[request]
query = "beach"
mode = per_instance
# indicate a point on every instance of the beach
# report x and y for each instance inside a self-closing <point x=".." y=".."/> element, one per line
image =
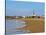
<point x="34" y="24"/>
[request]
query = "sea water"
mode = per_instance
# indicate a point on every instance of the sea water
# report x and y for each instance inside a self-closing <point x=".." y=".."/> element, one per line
<point x="11" y="26"/>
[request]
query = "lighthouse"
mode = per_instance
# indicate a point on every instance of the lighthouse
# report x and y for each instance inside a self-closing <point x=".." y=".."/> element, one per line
<point x="34" y="15"/>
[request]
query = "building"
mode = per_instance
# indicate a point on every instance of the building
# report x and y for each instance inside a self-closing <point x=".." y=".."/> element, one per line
<point x="23" y="16"/>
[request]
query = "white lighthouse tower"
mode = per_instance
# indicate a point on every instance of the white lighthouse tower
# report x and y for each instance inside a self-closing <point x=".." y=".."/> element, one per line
<point x="34" y="14"/>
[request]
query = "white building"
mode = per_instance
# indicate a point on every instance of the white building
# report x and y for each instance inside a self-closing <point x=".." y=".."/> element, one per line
<point x="16" y="16"/>
<point x="23" y="16"/>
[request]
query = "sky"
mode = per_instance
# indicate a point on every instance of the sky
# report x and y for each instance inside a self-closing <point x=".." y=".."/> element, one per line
<point x="23" y="8"/>
<point x="29" y="0"/>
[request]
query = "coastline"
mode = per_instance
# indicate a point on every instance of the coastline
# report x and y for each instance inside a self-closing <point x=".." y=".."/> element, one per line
<point x="34" y="25"/>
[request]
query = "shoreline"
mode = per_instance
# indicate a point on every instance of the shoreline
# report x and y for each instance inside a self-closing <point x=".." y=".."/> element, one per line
<point x="33" y="24"/>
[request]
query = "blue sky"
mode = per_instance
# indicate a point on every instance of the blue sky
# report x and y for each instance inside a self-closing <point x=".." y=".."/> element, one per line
<point x="21" y="8"/>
